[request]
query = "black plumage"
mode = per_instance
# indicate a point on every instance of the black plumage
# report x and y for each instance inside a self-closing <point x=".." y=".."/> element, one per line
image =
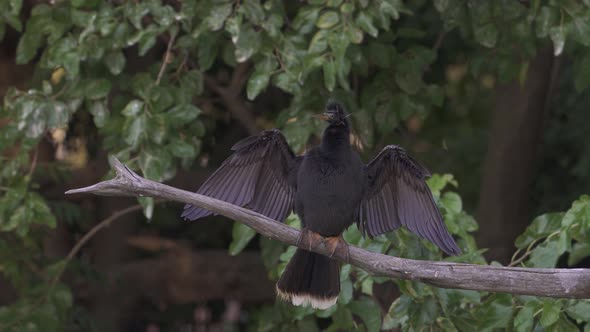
<point x="329" y="188"/>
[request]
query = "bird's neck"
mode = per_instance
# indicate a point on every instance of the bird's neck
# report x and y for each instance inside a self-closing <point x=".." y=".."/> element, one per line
<point x="335" y="139"/>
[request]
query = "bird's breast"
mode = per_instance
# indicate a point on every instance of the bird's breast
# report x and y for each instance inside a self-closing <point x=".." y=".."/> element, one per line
<point x="328" y="193"/>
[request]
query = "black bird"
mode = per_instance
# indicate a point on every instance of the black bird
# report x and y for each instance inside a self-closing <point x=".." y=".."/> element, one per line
<point x="329" y="188"/>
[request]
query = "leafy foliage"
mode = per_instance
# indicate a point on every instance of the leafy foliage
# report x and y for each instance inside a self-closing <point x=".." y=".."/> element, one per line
<point x="376" y="56"/>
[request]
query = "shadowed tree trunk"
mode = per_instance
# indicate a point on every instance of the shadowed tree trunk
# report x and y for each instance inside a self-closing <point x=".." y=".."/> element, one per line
<point x="515" y="137"/>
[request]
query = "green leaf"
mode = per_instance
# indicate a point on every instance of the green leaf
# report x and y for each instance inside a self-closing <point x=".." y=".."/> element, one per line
<point x="156" y="164"/>
<point x="148" y="206"/>
<point x="347" y="8"/>
<point x="192" y="81"/>
<point x="367" y="286"/>
<point x="62" y="297"/>
<point x="539" y="228"/>
<point x="580" y="311"/>
<point x="98" y="88"/>
<point x="257" y="82"/>
<point x="182" y="149"/>
<point x="550" y="313"/>
<point x="409" y="79"/>
<point x="136" y="131"/>
<point x="369" y="312"/>
<point x="286" y="82"/>
<point x="328" y="20"/>
<point x="57" y="114"/>
<point x="546" y="19"/>
<point x="452" y="202"/>
<point x="305" y="19"/>
<point x="27" y="47"/>
<point x="579" y="29"/>
<point x="241" y="236"/>
<point x="158" y="128"/>
<point x="319" y="42"/>
<point x="247" y="44"/>
<point x="71" y="63"/>
<point x="346" y="291"/>
<point x="329" y="75"/>
<point x="147" y="41"/>
<point x="254" y="11"/>
<point x="495" y="313"/>
<point x="99" y="112"/>
<point x="133" y="108"/>
<point x="18" y="217"/>
<point x="311" y="62"/>
<point x="397" y="313"/>
<point x="380" y="54"/>
<point x="217" y="16"/>
<point x="578" y="213"/>
<point x="270" y="251"/>
<point x="545" y="255"/>
<point x="115" y="61"/>
<point x="365" y="22"/>
<point x="578" y="252"/>
<point x="523" y="321"/>
<point x="182" y="114"/>
<point x="438" y="182"/>
<point x="558" y="36"/>
<point x="425" y="313"/>
<point x="339" y="44"/>
<point x="208" y="50"/>
<point x="484" y="28"/>
<point x="486" y="34"/>
<point x="355" y="35"/>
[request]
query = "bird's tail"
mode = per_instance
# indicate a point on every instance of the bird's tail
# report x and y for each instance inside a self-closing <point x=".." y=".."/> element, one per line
<point x="310" y="279"/>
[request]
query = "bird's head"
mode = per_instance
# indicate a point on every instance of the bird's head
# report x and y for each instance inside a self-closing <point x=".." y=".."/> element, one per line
<point x="335" y="114"/>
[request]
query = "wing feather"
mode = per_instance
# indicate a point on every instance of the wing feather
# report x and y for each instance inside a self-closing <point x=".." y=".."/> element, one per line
<point x="398" y="195"/>
<point x="257" y="175"/>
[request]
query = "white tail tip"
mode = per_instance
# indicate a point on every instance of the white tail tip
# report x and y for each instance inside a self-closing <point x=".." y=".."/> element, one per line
<point x="315" y="302"/>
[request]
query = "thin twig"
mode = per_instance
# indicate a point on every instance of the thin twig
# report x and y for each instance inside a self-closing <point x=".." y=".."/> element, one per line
<point x="166" y="59"/>
<point x="230" y="96"/>
<point x="103" y="224"/>
<point x="33" y="163"/>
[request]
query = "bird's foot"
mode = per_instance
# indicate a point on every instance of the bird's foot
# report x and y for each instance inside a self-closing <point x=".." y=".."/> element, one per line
<point x="309" y="237"/>
<point x="337" y="244"/>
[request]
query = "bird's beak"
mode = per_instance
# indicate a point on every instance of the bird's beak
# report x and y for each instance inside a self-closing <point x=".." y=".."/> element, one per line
<point x="323" y="116"/>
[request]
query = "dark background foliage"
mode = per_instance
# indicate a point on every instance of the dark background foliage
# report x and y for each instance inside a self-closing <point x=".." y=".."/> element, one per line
<point x="493" y="92"/>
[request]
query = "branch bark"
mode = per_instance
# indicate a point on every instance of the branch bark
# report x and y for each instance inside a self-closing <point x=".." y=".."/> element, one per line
<point x="560" y="283"/>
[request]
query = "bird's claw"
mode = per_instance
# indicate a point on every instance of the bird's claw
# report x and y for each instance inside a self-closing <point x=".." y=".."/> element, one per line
<point x="309" y="237"/>
<point x="334" y="243"/>
<point x="337" y="243"/>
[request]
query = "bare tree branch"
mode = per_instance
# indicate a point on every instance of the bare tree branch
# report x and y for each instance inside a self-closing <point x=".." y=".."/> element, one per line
<point x="561" y="283"/>
<point x="230" y="96"/>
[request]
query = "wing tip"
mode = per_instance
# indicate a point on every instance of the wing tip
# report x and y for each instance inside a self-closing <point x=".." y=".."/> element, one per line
<point x="192" y="213"/>
<point x="450" y="247"/>
<point x="455" y="251"/>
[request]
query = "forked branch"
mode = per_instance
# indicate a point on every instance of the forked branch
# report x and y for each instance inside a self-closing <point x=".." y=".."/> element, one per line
<point x="560" y="283"/>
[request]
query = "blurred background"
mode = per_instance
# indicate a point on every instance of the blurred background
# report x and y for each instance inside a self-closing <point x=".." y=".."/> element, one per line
<point x="489" y="95"/>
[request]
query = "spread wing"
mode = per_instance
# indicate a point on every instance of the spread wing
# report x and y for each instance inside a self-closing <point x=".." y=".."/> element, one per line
<point x="398" y="195"/>
<point x="260" y="175"/>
